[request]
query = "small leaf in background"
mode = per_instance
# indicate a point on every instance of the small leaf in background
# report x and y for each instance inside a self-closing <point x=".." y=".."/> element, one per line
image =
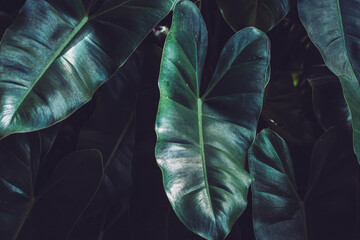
<point x="328" y="209"/>
<point x="328" y="100"/>
<point x="202" y="140"/>
<point x="57" y="53"/>
<point x="336" y="36"/>
<point x="263" y="15"/>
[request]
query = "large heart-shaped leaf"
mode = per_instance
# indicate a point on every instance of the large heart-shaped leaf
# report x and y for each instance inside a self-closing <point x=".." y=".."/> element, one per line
<point x="203" y="139"/>
<point x="52" y="213"/>
<point x="111" y="130"/>
<point x="256" y="13"/>
<point x="327" y="210"/>
<point x="333" y="26"/>
<point x="57" y="53"/>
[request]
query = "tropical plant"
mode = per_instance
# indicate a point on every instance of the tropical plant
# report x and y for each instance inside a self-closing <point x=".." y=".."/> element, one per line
<point x="178" y="119"/>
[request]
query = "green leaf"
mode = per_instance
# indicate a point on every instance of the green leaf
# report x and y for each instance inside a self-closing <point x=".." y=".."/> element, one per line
<point x="329" y="104"/>
<point x="57" y="53"/>
<point x="277" y="212"/>
<point x="336" y="36"/>
<point x="203" y="139"/>
<point x="52" y="213"/>
<point x="328" y="209"/>
<point x="256" y="13"/>
<point x="111" y="129"/>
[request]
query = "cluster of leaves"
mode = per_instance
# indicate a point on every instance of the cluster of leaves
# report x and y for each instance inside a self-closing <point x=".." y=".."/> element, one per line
<point x="83" y="84"/>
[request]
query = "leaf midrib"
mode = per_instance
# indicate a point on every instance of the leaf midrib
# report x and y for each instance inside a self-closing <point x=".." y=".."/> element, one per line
<point x="200" y="126"/>
<point x="51" y="61"/>
<point x="120" y="139"/>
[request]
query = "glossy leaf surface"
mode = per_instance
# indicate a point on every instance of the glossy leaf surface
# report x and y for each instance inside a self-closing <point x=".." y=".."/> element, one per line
<point x="276" y="205"/>
<point x="57" y="53"/>
<point x="24" y="214"/>
<point x="333" y="26"/>
<point x="256" y="13"/>
<point x="328" y="209"/>
<point x="203" y="139"/>
<point x="111" y="130"/>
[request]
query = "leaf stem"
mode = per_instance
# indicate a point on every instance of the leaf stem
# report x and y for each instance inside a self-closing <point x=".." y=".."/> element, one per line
<point x="25" y="216"/>
<point x="303" y="217"/>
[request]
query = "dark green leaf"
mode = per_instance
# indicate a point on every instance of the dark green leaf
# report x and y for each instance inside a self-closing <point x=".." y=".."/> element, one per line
<point x="98" y="227"/>
<point x="111" y="130"/>
<point x="328" y="209"/>
<point x="73" y="185"/>
<point x="328" y="100"/>
<point x="256" y="13"/>
<point x="330" y="200"/>
<point x="19" y="162"/>
<point x="277" y="212"/>
<point x="203" y="139"/>
<point x="52" y="213"/>
<point x="336" y="36"/>
<point x="57" y="53"/>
